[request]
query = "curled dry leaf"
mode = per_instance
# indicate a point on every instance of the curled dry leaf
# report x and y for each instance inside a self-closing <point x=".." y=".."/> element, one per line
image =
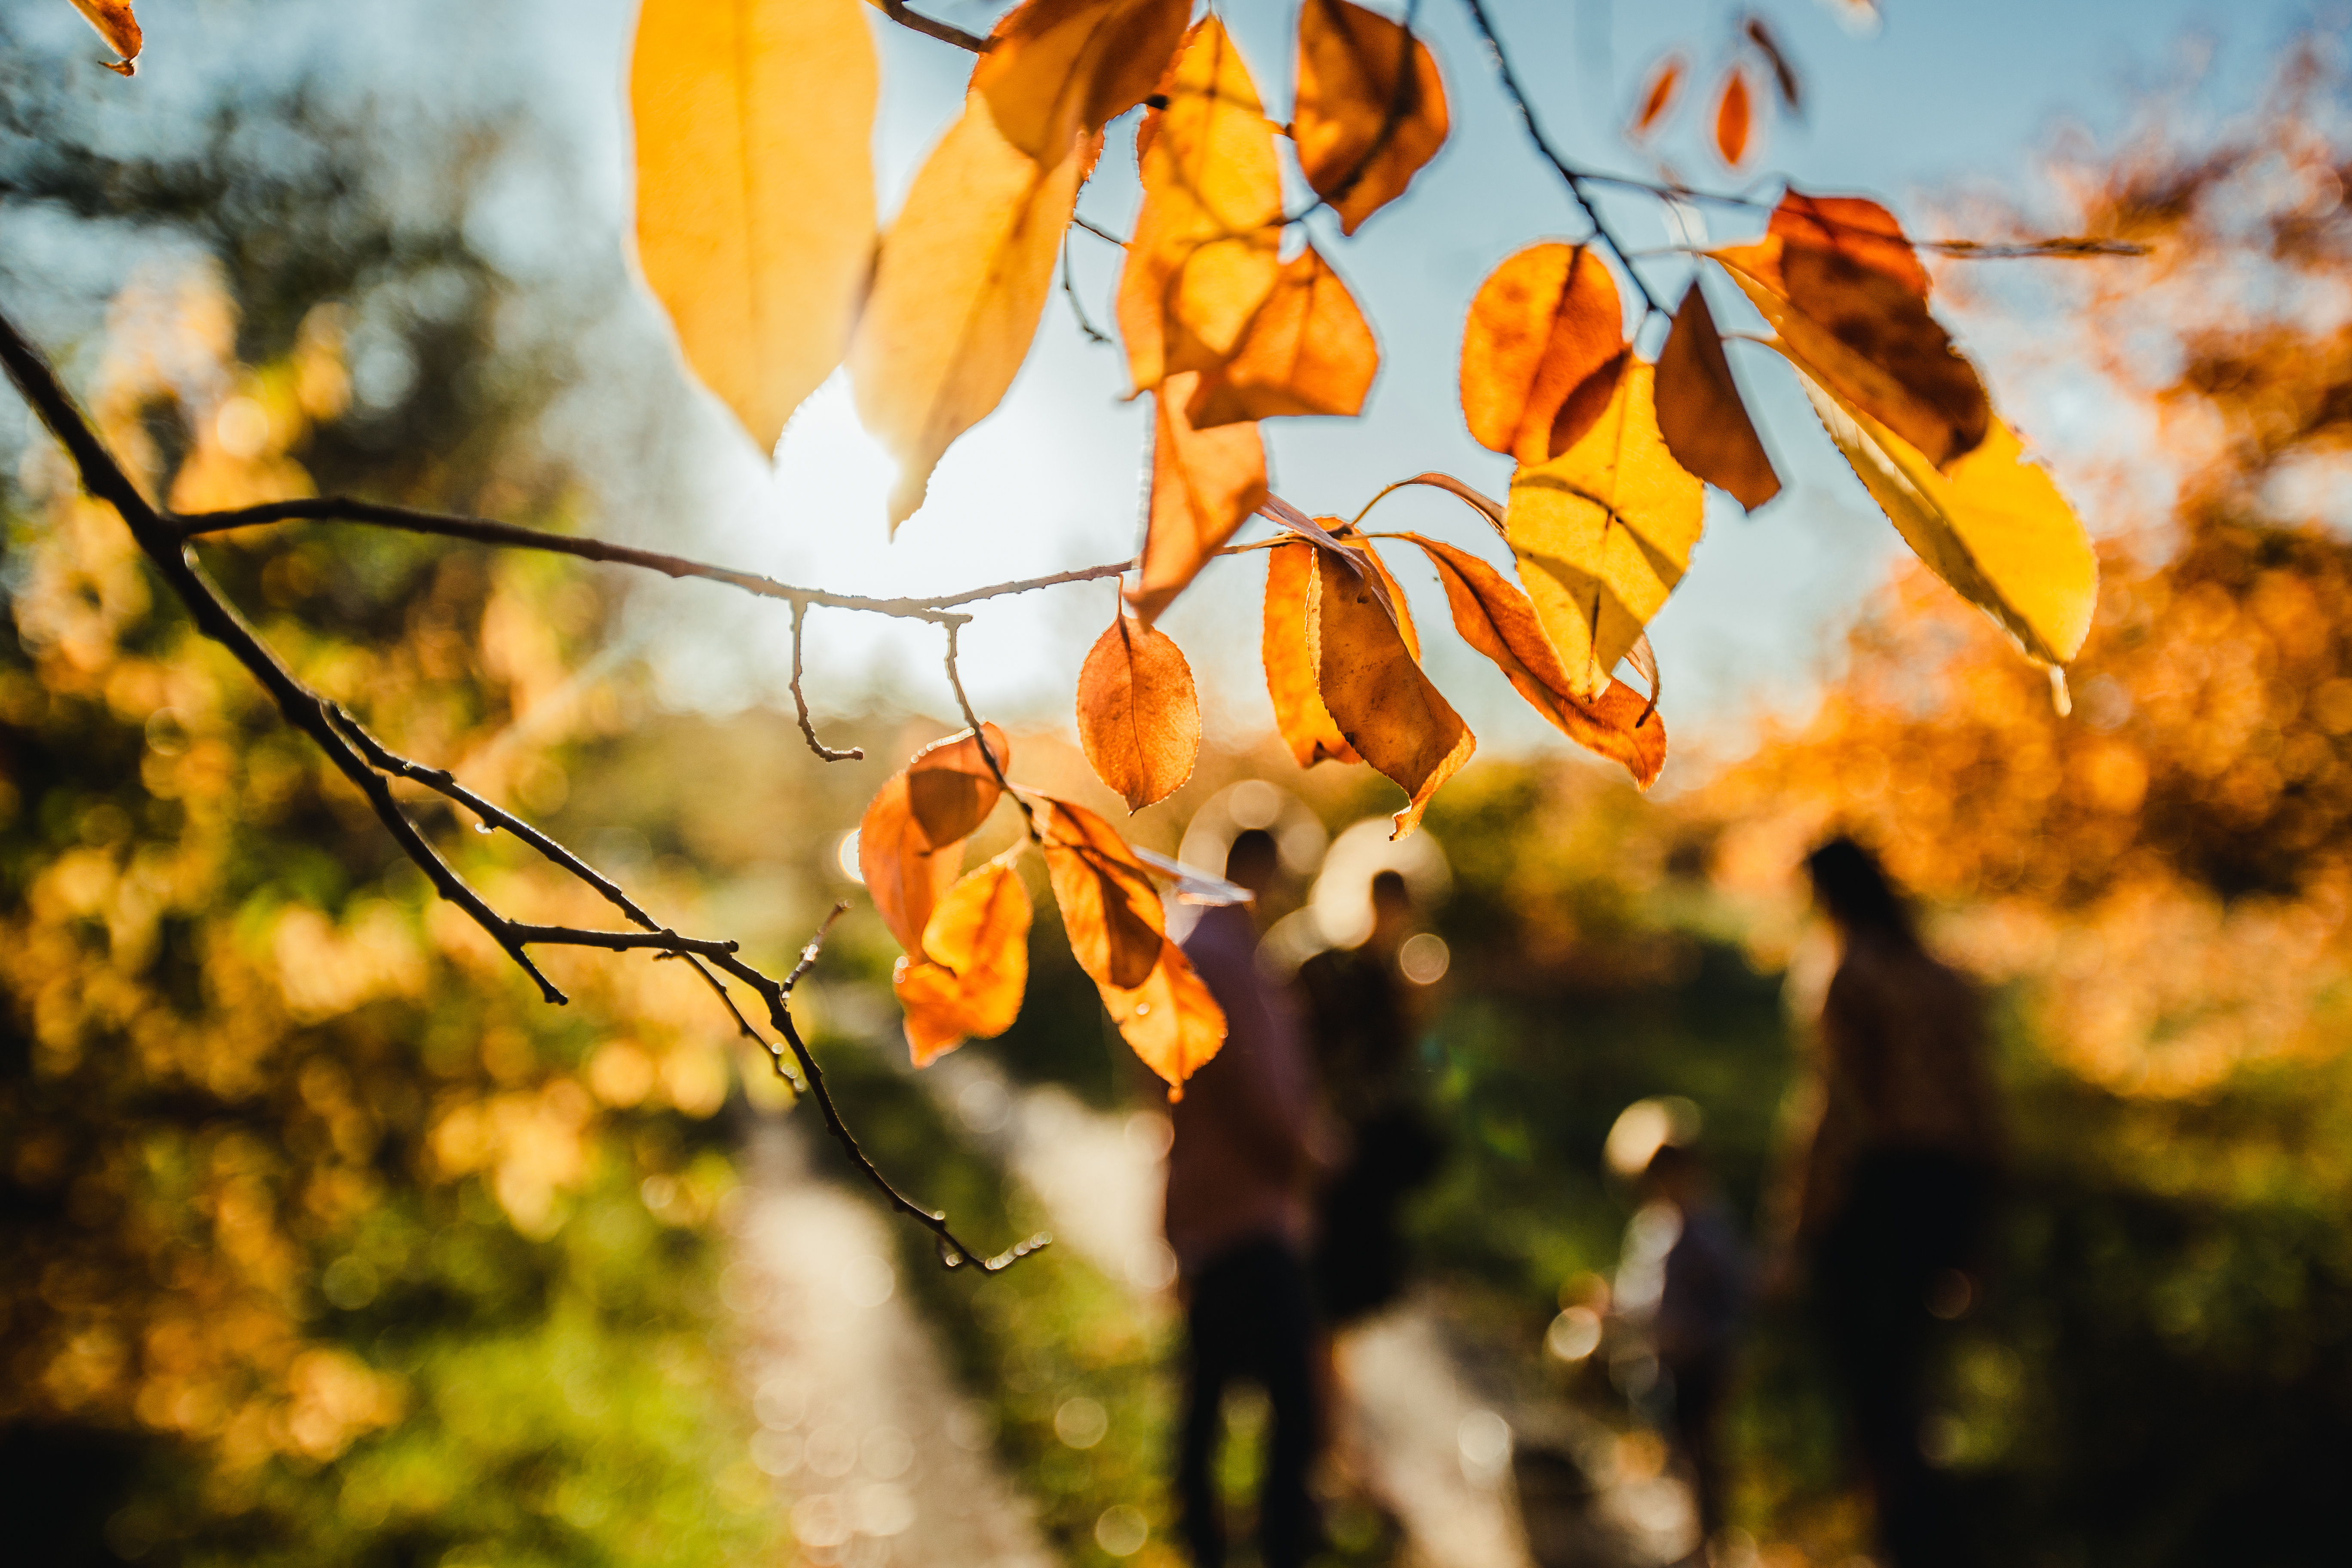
<point x="1110" y="910"/>
<point x="967" y="979"/>
<point x="1700" y="411"/>
<point x="1204" y="485"/>
<point x="1057" y="70"/>
<point x="1836" y="279"/>
<point x="1542" y="351"/>
<point x="755" y="190"/>
<point x="960" y="285"/>
<point x="1139" y="716"/>
<point x="1603" y="532"/>
<point x="1374" y="689"/>
<point x="1499" y="621"/>
<point x="1298" y="712"/>
<point x="1308" y="350"/>
<point x="119" y="29"/>
<point x="1658" y="96"/>
<point x="1170" y="1021"/>
<point x="952" y="788"/>
<point x="1364" y="121"/>
<point x="1992" y="525"/>
<point x="1734" y="120"/>
<point x="1205" y="250"/>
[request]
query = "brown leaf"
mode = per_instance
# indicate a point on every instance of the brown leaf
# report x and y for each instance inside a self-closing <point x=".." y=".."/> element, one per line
<point x="952" y="788"/>
<point x="1666" y="84"/>
<point x="1375" y="689"/>
<point x="1057" y="70"/>
<point x="119" y="27"/>
<point x="1298" y="711"/>
<point x="1170" y="1021"/>
<point x="1498" y="620"/>
<point x="1308" y="350"/>
<point x="1110" y="910"/>
<point x="968" y="977"/>
<point x="1362" y="133"/>
<point x="1204" y="485"/>
<point x="1542" y="351"/>
<point x="1733" y="119"/>
<point x="1784" y="75"/>
<point x="1836" y="279"/>
<point x="1700" y="411"/>
<point x="904" y="876"/>
<point x="1139" y="717"/>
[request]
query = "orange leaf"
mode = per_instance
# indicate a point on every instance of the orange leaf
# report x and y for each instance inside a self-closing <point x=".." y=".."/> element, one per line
<point x="1700" y="411"/>
<point x="1542" y="351"/>
<point x="1139" y="717"/>
<point x="119" y="27"/>
<point x="900" y="870"/>
<point x="1308" y="350"/>
<point x="953" y="789"/>
<point x="1500" y="622"/>
<point x="974" y="965"/>
<point x="1110" y="910"/>
<point x="1205" y="250"/>
<point x="1364" y="125"/>
<point x="1666" y="83"/>
<point x="1204" y="485"/>
<point x="1059" y="70"/>
<point x="1170" y="1021"/>
<point x="1836" y="279"/>
<point x="1735" y="118"/>
<point x="1375" y="691"/>
<point x="1298" y="711"/>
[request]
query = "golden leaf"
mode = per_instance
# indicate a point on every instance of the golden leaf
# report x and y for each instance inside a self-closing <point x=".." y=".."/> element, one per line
<point x="755" y="190"/>
<point x="1666" y="84"/>
<point x="951" y="787"/>
<point x="1170" y="1021"/>
<point x="1603" y="532"/>
<point x="1059" y="70"/>
<point x="1735" y="119"/>
<point x="1308" y="350"/>
<point x="968" y="977"/>
<point x="1700" y="411"/>
<point x="1204" y="486"/>
<point x="119" y="29"/>
<point x="1374" y="689"/>
<point x="904" y="876"/>
<point x="1362" y="132"/>
<point x="1110" y="910"/>
<point x="1139" y="716"/>
<point x="1541" y="351"/>
<point x="1298" y="711"/>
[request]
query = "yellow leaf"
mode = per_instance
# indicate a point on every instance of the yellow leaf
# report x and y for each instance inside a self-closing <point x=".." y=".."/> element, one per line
<point x="961" y="281"/>
<point x="967" y="978"/>
<point x="755" y="190"/>
<point x="1359" y="140"/>
<point x="1204" y="486"/>
<point x="1110" y="910"/>
<point x="1308" y="350"/>
<point x="1058" y="70"/>
<point x="1298" y="711"/>
<point x="1992" y="525"/>
<point x="1170" y="1021"/>
<point x="1139" y="716"/>
<point x="1376" y="693"/>
<point x="1603" y="532"/>
<point x="119" y="27"/>
<point x="1542" y="349"/>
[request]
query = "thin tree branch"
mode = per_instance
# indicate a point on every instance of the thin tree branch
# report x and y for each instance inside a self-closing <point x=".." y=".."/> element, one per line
<point x="800" y="704"/>
<point x="987" y="752"/>
<point x="944" y="32"/>
<point x="1097" y="230"/>
<point x="1078" y="307"/>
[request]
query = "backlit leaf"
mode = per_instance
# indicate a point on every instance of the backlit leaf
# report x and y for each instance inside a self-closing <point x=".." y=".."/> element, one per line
<point x="1204" y="485"/>
<point x="1666" y="84"/>
<point x="1170" y="1021"/>
<point x="1734" y="120"/>
<point x="1059" y="70"/>
<point x="1838" y="281"/>
<point x="119" y="27"/>
<point x="1700" y="411"/>
<point x="951" y="787"/>
<point x="1603" y="532"/>
<point x="1205" y="252"/>
<point x="1308" y="350"/>
<point x="1298" y="711"/>
<point x="1139" y="717"/>
<point x="1499" y="621"/>
<point x="960" y="282"/>
<point x="755" y="190"/>
<point x="904" y="876"/>
<point x="1110" y="910"/>
<point x="967" y="978"/>
<point x="1376" y="693"/>
<point x="1542" y="351"/>
<point x="1362" y="132"/>
<point x="1991" y="524"/>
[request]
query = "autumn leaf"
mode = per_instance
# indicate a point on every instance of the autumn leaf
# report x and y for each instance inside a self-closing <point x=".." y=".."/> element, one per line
<point x="755" y="190"/>
<point x="1733" y="119"/>
<point x="966" y="978"/>
<point x="1110" y="910"/>
<point x="952" y="788"/>
<point x="895" y="861"/>
<point x="1784" y="75"/>
<point x="1170" y="1021"/>
<point x="1991" y="524"/>
<point x="1603" y="532"/>
<point x="119" y="29"/>
<point x="1204" y="486"/>
<point x="1205" y="252"/>
<point x="1362" y="132"/>
<point x="960" y="285"/>
<point x="1836" y="279"/>
<point x="1139" y="716"/>
<point x="1700" y="411"/>
<point x="1666" y="84"/>
<point x="1499" y="621"/>
<point x="1298" y="712"/>
<point x="1374" y="687"/>
<point x="1308" y="350"/>
<point x="1057" y="70"/>
<point x="1542" y="351"/>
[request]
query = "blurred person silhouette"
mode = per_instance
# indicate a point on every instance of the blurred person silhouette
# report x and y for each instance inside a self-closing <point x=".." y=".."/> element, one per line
<point x="1362" y="1030"/>
<point x="1239" y="1169"/>
<point x="1897" y="1186"/>
<point x="1702" y="1308"/>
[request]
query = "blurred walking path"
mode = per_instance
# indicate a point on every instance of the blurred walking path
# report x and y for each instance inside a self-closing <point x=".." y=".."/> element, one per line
<point x="881" y="1460"/>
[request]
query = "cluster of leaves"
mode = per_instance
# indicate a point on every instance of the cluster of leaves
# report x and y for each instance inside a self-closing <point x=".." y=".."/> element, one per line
<point x="1734" y="129"/>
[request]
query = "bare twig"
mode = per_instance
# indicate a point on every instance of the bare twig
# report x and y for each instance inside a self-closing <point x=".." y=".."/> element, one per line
<point x="915" y="20"/>
<point x="1094" y="334"/>
<point x="987" y="751"/>
<point x="800" y="704"/>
